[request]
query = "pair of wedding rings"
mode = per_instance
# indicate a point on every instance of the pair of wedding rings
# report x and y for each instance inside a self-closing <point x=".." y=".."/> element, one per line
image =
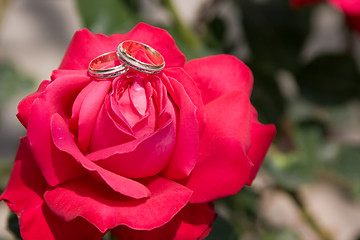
<point x="113" y="64"/>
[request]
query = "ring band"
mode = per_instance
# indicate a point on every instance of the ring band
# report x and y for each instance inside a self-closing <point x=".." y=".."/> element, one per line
<point x="127" y="49"/>
<point x="99" y="66"/>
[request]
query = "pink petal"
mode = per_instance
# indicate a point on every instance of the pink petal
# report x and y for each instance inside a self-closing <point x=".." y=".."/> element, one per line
<point x="351" y="9"/>
<point x="148" y="156"/>
<point x="191" y="89"/>
<point x="106" y="209"/>
<point x="127" y="108"/>
<point x="192" y="222"/>
<point x="109" y="129"/>
<point x="24" y="196"/>
<point x="160" y="40"/>
<point x="148" y="124"/>
<point x="76" y="106"/>
<point x="64" y="141"/>
<point x="138" y="97"/>
<point x="61" y="73"/>
<point x="187" y="141"/>
<point x="223" y="167"/>
<point x="218" y="75"/>
<point x="41" y="223"/>
<point x="85" y="46"/>
<point x="261" y="138"/>
<point x="62" y="91"/>
<point x="89" y="111"/>
<point x="26" y="104"/>
<point x="56" y="166"/>
<point x="26" y="184"/>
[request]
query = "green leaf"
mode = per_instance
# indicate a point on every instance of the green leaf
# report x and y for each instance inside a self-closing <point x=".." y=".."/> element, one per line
<point x="13" y="226"/>
<point x="266" y="97"/>
<point x="214" y="35"/>
<point x="108" y="16"/>
<point x="243" y="203"/>
<point x="347" y="164"/>
<point x="275" y="32"/>
<point x="221" y="230"/>
<point x="281" y="234"/>
<point x="299" y="166"/>
<point x="329" y="79"/>
<point x="5" y="170"/>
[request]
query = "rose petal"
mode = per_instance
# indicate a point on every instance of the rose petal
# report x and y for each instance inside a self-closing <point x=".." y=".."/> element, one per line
<point x="351" y="9"/>
<point x="55" y="166"/>
<point x="61" y="73"/>
<point x="23" y="195"/>
<point x="89" y="111"/>
<point x="148" y="156"/>
<point x="187" y="141"/>
<point x="191" y="89"/>
<point x="218" y="75"/>
<point x="26" y="104"/>
<point x="354" y="22"/>
<point x="26" y="184"/>
<point x="138" y="97"/>
<point x="42" y="223"/>
<point x="106" y="209"/>
<point x="109" y="129"/>
<point x="62" y="91"/>
<point x="160" y="40"/>
<point x="261" y="138"/>
<point x="298" y="3"/>
<point x="223" y="167"/>
<point x="126" y="106"/>
<point x="85" y="46"/>
<point x="76" y="106"/>
<point x="192" y="222"/>
<point x="148" y="124"/>
<point x="348" y="6"/>
<point x="64" y="141"/>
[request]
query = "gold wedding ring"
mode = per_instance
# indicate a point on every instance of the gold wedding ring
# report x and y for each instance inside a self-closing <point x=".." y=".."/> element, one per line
<point x="126" y="53"/>
<point x="113" y="64"/>
<point x="107" y="65"/>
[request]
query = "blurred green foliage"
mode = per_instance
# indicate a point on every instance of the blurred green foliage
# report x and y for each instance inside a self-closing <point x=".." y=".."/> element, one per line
<point x="12" y="81"/>
<point x="13" y="226"/>
<point x="108" y="16"/>
<point x="330" y="79"/>
<point x="275" y="33"/>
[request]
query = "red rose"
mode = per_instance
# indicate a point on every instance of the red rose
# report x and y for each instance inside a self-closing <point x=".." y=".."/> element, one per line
<point x="351" y="9"/>
<point x="140" y="155"/>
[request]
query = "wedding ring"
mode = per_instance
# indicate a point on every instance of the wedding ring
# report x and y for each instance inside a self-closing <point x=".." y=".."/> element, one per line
<point x="126" y="52"/>
<point x="107" y="65"/>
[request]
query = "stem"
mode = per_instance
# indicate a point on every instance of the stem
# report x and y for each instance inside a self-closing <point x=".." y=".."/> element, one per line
<point x="307" y="216"/>
<point x="186" y="32"/>
<point x="3" y="7"/>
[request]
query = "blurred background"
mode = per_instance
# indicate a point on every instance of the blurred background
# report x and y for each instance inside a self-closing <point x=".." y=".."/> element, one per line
<point x="305" y="59"/>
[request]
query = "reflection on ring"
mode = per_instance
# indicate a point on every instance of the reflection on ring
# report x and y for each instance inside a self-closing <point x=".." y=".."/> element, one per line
<point x="107" y="65"/>
<point x="126" y="52"/>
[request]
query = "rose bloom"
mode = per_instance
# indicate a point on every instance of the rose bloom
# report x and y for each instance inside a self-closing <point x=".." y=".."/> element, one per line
<point x="351" y="9"/>
<point x="143" y="156"/>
